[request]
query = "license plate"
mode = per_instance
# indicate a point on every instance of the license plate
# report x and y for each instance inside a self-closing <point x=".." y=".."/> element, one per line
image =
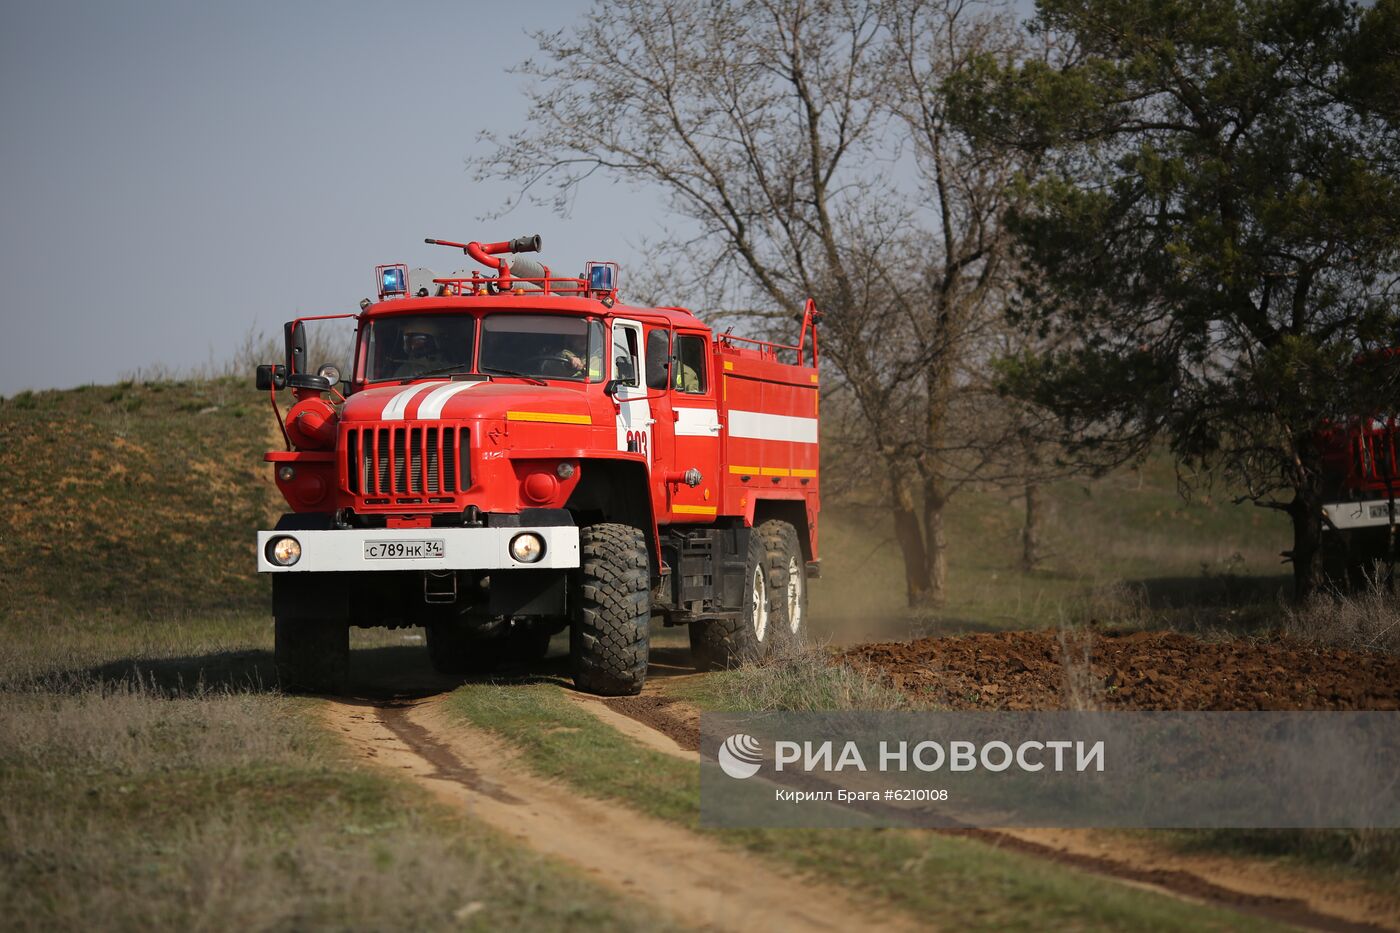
<point x="403" y="550"/>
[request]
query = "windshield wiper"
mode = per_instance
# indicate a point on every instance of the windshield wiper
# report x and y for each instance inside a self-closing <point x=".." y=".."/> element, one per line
<point x="510" y="372"/>
<point x="455" y="369"/>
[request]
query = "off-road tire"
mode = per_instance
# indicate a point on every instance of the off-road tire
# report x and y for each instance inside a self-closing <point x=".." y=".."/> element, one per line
<point x="716" y="644"/>
<point x="789" y="568"/>
<point x="611" y="610"/>
<point x="313" y="655"/>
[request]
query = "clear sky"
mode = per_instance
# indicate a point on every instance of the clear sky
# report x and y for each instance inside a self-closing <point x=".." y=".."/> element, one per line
<point x="176" y="173"/>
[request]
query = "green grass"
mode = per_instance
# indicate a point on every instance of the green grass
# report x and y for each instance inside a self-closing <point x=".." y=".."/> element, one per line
<point x="138" y="499"/>
<point x="153" y="790"/>
<point x="955" y="882"/>
<point x="1130" y="527"/>
<point x="130" y="520"/>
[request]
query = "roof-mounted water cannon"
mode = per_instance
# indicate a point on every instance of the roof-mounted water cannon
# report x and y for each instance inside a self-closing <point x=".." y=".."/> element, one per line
<point x="486" y="253"/>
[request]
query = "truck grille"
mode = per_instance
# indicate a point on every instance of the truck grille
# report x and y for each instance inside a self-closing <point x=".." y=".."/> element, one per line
<point x="407" y="460"/>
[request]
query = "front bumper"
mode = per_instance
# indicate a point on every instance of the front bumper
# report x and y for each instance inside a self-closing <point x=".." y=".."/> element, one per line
<point x="1371" y="513"/>
<point x="342" y="550"/>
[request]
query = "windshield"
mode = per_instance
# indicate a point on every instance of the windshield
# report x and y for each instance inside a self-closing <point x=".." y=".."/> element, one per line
<point x="410" y="345"/>
<point x="546" y="346"/>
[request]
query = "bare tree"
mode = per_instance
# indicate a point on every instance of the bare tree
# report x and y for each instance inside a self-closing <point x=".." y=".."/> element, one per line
<point x="782" y="131"/>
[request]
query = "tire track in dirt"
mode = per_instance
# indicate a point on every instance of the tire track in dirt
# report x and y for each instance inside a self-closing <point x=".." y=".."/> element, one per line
<point x="699" y="881"/>
<point x="673" y="728"/>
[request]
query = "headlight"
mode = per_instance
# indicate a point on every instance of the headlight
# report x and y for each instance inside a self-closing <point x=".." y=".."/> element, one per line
<point x="527" y="548"/>
<point x="286" y="473"/>
<point x="330" y="372"/>
<point x="564" y="471"/>
<point x="284" y="551"/>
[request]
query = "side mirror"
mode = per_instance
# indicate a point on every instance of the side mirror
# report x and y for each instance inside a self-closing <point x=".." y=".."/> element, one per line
<point x="295" y="332"/>
<point x="611" y="386"/>
<point x="270" y="376"/>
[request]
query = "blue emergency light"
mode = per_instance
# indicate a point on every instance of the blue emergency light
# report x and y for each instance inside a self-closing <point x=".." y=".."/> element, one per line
<point x="393" y="282"/>
<point x="600" y="278"/>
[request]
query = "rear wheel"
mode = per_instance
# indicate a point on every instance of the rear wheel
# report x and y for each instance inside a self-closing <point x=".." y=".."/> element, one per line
<point x="313" y="655"/>
<point x="716" y="644"/>
<point x="611" y="600"/>
<point x="789" y="567"/>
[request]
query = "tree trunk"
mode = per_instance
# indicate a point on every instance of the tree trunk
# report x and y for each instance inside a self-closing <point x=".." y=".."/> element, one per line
<point x="1306" y="512"/>
<point x="936" y="540"/>
<point x="1030" y="532"/>
<point x="917" y="582"/>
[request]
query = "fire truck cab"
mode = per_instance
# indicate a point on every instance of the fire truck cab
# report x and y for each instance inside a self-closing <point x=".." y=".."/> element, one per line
<point x="518" y="453"/>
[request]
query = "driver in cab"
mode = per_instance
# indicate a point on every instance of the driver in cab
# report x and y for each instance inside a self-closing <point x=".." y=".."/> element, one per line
<point x="570" y="352"/>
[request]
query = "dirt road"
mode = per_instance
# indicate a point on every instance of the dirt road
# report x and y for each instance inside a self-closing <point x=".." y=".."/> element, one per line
<point x="699" y="881"/>
<point x="1283" y="894"/>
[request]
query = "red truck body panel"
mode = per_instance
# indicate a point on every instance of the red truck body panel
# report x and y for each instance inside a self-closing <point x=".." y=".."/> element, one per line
<point x="415" y="448"/>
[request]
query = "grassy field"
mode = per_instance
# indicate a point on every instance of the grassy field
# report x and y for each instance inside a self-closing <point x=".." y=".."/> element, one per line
<point x="137" y="706"/>
<point x="1129" y="537"/>
<point x="151" y="776"/>
<point x="178" y="792"/>
<point x="959" y="883"/>
<point x="160" y="484"/>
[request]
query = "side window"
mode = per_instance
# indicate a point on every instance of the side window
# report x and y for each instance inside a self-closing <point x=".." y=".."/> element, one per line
<point x="689" y="371"/>
<point x="625" y="355"/>
<point x="658" y="353"/>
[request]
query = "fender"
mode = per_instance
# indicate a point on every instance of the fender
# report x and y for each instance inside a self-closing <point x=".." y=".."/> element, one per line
<point x="615" y="485"/>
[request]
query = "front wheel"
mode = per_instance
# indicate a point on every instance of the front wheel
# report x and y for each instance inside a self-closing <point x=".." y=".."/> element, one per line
<point x="611" y="604"/>
<point x="313" y="655"/>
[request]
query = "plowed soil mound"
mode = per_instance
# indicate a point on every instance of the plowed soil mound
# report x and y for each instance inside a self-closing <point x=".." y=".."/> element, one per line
<point x="1132" y="670"/>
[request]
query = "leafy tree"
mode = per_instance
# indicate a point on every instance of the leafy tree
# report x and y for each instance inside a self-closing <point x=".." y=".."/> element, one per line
<point x="771" y="127"/>
<point x="1214" y="237"/>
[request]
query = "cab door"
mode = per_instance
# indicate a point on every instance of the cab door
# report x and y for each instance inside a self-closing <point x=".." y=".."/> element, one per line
<point x="691" y="388"/>
<point x="634" y="421"/>
<point x="657" y="367"/>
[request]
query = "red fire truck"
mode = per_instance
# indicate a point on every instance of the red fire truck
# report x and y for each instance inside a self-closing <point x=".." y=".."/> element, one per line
<point x="1362" y="486"/>
<point x="516" y="453"/>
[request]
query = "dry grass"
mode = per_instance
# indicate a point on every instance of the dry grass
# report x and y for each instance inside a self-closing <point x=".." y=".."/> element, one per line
<point x="801" y="680"/>
<point x="1366" y="620"/>
<point x="1081" y="688"/>
<point x="154" y="792"/>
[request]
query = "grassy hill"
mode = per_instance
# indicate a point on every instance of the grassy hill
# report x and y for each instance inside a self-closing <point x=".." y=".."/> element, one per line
<point x="139" y="500"/>
<point x="133" y="499"/>
<point x="137" y="701"/>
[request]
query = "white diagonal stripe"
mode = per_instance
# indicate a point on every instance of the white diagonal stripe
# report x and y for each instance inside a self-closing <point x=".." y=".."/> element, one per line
<point x="399" y="403"/>
<point x="766" y="427"/>
<point x="430" y="409"/>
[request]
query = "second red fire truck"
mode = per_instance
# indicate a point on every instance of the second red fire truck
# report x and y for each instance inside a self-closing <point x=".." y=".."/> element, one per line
<point x="516" y="453"/>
